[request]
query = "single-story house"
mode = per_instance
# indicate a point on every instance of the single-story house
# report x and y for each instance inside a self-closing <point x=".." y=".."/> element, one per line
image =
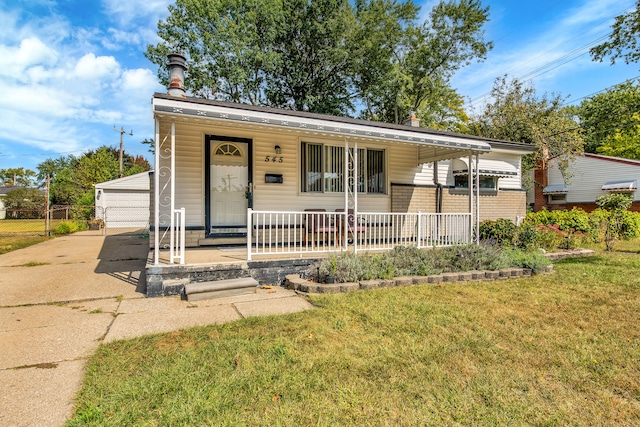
<point x="589" y="177"/>
<point x="124" y="202"/>
<point x="286" y="181"/>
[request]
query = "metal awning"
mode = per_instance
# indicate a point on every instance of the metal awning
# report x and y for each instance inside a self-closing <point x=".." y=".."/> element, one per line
<point x="625" y="185"/>
<point x="486" y="167"/>
<point x="555" y="189"/>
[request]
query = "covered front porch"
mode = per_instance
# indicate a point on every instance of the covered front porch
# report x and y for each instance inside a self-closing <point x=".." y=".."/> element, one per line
<point x="313" y="185"/>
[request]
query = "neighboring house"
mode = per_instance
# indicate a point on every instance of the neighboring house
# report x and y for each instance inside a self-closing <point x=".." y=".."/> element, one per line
<point x="240" y="170"/>
<point x="3" y="193"/>
<point x="590" y="176"/>
<point x="124" y="202"/>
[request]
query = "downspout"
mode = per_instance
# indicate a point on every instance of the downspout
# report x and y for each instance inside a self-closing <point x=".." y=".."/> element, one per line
<point x="436" y="181"/>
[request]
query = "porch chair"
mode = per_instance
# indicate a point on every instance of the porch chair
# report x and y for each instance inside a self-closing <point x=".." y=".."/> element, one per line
<point x="355" y="229"/>
<point x="319" y="224"/>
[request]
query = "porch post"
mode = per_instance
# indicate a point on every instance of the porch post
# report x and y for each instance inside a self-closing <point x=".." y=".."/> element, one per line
<point x="345" y="220"/>
<point x="173" y="190"/>
<point x="478" y="198"/>
<point x="355" y="198"/>
<point x="156" y="196"/>
<point x="471" y="193"/>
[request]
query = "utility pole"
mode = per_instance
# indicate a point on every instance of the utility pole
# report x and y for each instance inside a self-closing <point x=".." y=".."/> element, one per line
<point x="122" y="132"/>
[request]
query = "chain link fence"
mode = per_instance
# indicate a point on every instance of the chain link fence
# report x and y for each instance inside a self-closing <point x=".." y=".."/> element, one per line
<point x="62" y="219"/>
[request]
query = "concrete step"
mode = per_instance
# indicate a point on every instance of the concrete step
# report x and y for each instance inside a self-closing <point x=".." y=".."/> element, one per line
<point x="220" y="288"/>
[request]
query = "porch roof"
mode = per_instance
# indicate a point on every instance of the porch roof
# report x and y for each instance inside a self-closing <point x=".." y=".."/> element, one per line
<point x="432" y="145"/>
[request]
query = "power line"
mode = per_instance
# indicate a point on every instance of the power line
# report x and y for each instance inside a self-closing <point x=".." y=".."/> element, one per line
<point x="601" y="90"/>
<point x="545" y="68"/>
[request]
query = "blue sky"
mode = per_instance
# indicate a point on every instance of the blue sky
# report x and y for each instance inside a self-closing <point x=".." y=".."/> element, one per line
<point x="72" y="69"/>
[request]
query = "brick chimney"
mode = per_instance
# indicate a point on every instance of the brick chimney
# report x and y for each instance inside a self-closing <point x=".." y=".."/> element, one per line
<point x="177" y="67"/>
<point x="412" y="121"/>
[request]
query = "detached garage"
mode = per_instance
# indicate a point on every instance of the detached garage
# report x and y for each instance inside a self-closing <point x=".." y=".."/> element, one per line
<point x="124" y="202"/>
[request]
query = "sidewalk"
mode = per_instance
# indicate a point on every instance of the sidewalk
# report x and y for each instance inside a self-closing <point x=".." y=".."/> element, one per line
<point x="60" y="299"/>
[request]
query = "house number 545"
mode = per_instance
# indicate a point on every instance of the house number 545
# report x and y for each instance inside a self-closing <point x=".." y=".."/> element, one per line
<point x="274" y="159"/>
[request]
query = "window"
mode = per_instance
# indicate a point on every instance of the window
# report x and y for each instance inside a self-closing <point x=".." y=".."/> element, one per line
<point x="322" y="168"/>
<point x="486" y="182"/>
<point x="228" y="149"/>
<point x="557" y="198"/>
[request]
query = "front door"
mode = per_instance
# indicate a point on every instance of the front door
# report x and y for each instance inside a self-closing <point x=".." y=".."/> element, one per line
<point x="229" y="186"/>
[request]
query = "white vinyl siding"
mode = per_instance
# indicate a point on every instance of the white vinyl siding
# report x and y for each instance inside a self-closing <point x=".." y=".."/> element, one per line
<point x="588" y="176"/>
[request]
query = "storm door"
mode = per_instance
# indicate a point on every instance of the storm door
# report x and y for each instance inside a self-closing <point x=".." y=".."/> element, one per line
<point x="229" y="190"/>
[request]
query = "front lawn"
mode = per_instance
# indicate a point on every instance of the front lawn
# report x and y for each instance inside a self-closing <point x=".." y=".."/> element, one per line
<point x="560" y="349"/>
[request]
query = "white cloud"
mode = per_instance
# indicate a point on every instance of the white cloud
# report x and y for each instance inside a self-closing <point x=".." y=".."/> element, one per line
<point x="58" y="137"/>
<point x="97" y="67"/>
<point x="139" y="80"/>
<point x="532" y="55"/>
<point x="133" y="10"/>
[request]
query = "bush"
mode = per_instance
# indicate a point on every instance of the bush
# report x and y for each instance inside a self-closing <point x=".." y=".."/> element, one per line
<point x="534" y="260"/>
<point x="68" y="227"/>
<point x="502" y="231"/>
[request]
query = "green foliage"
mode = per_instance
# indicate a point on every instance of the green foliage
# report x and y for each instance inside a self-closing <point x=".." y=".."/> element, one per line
<point x="327" y="56"/>
<point x="17" y="176"/>
<point x="411" y="261"/>
<point x="518" y="114"/>
<point x="616" y="204"/>
<point x="501" y="231"/>
<point x="611" y="121"/>
<point x="25" y="203"/>
<point x="623" y="40"/>
<point x="67" y="227"/>
<point x="576" y="219"/>
<point x="422" y="64"/>
<point x="73" y="178"/>
<point x="569" y="229"/>
<point x="535" y="260"/>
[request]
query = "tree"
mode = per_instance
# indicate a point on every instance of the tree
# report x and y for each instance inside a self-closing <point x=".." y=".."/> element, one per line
<point x="611" y="121"/>
<point x="623" y="41"/>
<point x="263" y="52"/>
<point x="327" y="56"/>
<point x="73" y="178"/>
<point x="517" y="114"/>
<point x="24" y="203"/>
<point x="17" y="176"/>
<point x="425" y="60"/>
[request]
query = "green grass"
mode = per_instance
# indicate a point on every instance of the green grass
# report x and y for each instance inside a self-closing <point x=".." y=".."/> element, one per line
<point x="12" y="243"/>
<point x="552" y="350"/>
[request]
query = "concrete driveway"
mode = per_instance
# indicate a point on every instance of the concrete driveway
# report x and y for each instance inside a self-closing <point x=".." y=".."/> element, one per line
<point x="59" y="300"/>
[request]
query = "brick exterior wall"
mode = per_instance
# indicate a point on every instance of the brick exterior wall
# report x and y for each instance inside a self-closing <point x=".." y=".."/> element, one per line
<point x="540" y="181"/>
<point x="508" y="204"/>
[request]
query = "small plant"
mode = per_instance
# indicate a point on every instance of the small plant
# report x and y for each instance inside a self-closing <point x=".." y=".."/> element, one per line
<point x="616" y="204"/>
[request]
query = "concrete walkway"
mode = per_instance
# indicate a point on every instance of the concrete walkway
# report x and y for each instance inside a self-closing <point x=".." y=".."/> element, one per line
<point x="60" y="299"/>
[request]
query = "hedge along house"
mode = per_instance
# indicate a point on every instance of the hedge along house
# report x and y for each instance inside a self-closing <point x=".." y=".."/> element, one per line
<point x="288" y="183"/>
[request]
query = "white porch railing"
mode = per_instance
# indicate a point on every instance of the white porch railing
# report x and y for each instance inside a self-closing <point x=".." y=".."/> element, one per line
<point x="273" y="232"/>
<point x="177" y="237"/>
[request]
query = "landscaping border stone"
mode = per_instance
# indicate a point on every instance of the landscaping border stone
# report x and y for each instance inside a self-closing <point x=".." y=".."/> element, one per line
<point x="293" y="281"/>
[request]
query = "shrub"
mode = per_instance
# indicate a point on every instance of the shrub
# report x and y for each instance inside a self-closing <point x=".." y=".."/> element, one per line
<point x="66" y="227"/>
<point x="534" y="260"/>
<point x="501" y="231"/>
